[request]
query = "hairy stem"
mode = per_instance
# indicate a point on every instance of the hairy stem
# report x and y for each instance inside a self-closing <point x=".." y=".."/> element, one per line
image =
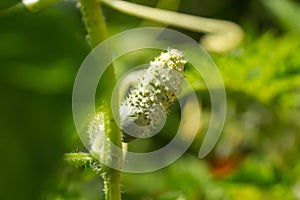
<point x="94" y="21"/>
<point x="96" y="30"/>
<point x="81" y="160"/>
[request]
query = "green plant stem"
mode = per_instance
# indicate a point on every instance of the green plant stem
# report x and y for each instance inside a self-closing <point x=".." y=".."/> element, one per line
<point x="96" y="30"/>
<point x="221" y="35"/>
<point x="93" y="21"/>
<point x="81" y="160"/>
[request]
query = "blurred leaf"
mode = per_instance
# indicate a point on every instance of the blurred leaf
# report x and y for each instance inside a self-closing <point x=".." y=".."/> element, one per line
<point x="287" y="13"/>
<point x="38" y="5"/>
<point x="172" y="196"/>
<point x="5" y="4"/>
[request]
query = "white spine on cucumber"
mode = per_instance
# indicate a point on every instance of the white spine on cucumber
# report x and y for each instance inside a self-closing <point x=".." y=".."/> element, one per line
<point x="151" y="97"/>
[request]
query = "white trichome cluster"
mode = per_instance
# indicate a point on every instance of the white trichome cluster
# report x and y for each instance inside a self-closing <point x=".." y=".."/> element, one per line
<point x="151" y="97"/>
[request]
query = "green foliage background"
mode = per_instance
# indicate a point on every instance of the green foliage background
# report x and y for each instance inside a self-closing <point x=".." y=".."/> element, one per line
<point x="41" y="52"/>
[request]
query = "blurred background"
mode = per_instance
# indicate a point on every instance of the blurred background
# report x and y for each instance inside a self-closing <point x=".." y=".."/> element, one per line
<point x="257" y="156"/>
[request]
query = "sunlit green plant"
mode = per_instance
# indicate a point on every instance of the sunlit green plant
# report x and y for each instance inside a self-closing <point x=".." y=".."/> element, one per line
<point x="266" y="70"/>
<point x="222" y="36"/>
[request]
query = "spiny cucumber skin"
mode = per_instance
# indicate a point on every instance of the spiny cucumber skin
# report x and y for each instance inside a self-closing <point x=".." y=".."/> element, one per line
<point x="152" y="96"/>
<point x="145" y="103"/>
